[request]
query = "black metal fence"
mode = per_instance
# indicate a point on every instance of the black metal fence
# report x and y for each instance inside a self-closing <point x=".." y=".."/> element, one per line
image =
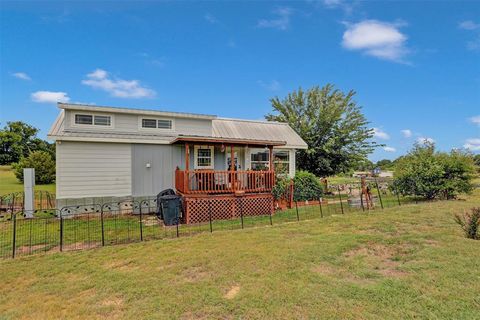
<point x="91" y="226"/>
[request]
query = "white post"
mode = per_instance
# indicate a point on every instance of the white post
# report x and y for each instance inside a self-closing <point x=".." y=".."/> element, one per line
<point x="29" y="193"/>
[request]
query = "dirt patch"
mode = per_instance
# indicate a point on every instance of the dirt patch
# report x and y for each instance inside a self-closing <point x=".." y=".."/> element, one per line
<point x="28" y="249"/>
<point x="232" y="293"/>
<point x="385" y="260"/>
<point x="195" y="274"/>
<point x="121" y="265"/>
<point x="113" y="302"/>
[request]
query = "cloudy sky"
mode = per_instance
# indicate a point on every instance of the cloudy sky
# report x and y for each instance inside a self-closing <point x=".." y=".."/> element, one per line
<point x="414" y="65"/>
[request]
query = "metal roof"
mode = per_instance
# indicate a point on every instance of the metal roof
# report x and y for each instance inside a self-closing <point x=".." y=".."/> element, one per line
<point x="252" y="130"/>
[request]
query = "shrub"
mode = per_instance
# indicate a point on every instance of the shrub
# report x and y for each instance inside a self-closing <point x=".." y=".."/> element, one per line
<point x="429" y="174"/>
<point x="280" y="188"/>
<point x="306" y="186"/>
<point x="470" y="223"/>
<point x="42" y="162"/>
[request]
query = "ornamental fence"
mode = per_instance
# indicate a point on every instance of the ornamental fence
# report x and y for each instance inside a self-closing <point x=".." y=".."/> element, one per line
<point x="134" y="220"/>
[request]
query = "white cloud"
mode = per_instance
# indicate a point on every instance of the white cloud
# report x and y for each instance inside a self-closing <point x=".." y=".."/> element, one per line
<point x="273" y="85"/>
<point x="472" y="144"/>
<point x="346" y="6"/>
<point x="280" y="22"/>
<point x="21" y="75"/>
<point x="423" y="140"/>
<point x="407" y="133"/>
<point x="49" y="97"/>
<point x="99" y="79"/>
<point x="210" y="18"/>
<point x="468" y="25"/>
<point x="389" y="149"/>
<point x="379" y="133"/>
<point x="375" y="38"/>
<point x="475" y="120"/>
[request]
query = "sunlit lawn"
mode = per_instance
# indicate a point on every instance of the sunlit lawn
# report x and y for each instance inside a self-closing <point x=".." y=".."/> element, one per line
<point x="9" y="183"/>
<point x="403" y="262"/>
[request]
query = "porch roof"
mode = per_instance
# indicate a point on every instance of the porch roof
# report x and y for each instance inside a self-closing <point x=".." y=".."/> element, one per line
<point x="235" y="141"/>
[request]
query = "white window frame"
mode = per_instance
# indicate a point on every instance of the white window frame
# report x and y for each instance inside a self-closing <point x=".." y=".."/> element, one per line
<point x="195" y="157"/>
<point x="93" y="125"/>
<point x="157" y="129"/>
<point x="257" y="150"/>
<point x="284" y="162"/>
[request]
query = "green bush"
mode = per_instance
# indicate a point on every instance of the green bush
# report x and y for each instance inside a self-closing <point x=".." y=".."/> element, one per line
<point x="470" y="223"/>
<point x="429" y="174"/>
<point x="280" y="188"/>
<point x="306" y="186"/>
<point x="43" y="164"/>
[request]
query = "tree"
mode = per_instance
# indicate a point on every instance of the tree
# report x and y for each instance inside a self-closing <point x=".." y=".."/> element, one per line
<point x="42" y="162"/>
<point x="429" y="174"/>
<point x="384" y="164"/>
<point x="18" y="139"/>
<point x="332" y="125"/>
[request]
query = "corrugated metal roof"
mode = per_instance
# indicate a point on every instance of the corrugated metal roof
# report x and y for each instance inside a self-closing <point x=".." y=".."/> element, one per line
<point x="264" y="130"/>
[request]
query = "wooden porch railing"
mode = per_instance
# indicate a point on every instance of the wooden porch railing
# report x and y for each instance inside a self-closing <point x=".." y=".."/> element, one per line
<point x="213" y="181"/>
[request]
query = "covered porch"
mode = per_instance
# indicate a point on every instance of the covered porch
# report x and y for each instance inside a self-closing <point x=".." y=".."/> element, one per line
<point x="208" y="167"/>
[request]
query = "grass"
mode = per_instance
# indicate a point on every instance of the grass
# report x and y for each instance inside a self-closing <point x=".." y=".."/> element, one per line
<point x="403" y="262"/>
<point x="10" y="184"/>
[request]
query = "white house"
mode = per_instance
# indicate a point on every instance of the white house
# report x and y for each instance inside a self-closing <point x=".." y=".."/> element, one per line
<point x="118" y="152"/>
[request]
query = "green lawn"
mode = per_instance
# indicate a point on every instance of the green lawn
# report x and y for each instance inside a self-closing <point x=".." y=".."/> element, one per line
<point x="403" y="262"/>
<point x="9" y="183"/>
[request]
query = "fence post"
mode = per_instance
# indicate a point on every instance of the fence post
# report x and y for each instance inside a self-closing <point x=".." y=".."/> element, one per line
<point x="378" y="191"/>
<point x="320" y="205"/>
<point x="340" y="197"/>
<point x="296" y="208"/>
<point x="398" y="196"/>
<point x="103" y="227"/>
<point x="61" y="231"/>
<point x="141" y="221"/>
<point x="361" y="198"/>
<point x="14" y="234"/>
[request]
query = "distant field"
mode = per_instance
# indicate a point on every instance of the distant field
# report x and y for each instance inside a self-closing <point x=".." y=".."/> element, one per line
<point x="405" y="262"/>
<point x="9" y="183"/>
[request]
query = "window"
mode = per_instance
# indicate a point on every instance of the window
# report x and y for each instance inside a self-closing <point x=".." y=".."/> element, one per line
<point x="95" y="120"/>
<point x="281" y="160"/>
<point x="102" y="120"/>
<point x="203" y="157"/>
<point x="165" y="124"/>
<point x="83" y="119"/>
<point x="259" y="159"/>
<point x="149" y="123"/>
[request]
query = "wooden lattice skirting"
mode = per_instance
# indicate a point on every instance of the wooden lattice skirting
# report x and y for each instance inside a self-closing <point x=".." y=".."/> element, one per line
<point x="224" y="207"/>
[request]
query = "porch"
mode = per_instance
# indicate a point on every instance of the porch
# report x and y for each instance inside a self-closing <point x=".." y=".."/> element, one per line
<point x="218" y="186"/>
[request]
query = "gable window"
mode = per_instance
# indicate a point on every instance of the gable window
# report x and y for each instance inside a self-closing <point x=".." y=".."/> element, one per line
<point x="203" y="157"/>
<point x="92" y="120"/>
<point x="83" y="119"/>
<point x="149" y="123"/>
<point x="165" y="124"/>
<point x="102" y="120"/>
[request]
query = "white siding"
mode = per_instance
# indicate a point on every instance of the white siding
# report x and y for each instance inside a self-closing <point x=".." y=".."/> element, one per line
<point x="93" y="169"/>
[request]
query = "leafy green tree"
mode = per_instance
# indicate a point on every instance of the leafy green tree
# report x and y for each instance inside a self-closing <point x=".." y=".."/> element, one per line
<point x="384" y="164"/>
<point x="44" y="166"/>
<point x="429" y="174"/>
<point x="332" y="125"/>
<point x="18" y="139"/>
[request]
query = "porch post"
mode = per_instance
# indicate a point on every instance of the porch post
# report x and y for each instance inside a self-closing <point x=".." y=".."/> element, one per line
<point x="271" y="166"/>
<point x="187" y="165"/>
<point x="232" y="167"/>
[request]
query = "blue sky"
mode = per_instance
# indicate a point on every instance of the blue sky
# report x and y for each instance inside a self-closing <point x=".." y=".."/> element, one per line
<point x="415" y="65"/>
